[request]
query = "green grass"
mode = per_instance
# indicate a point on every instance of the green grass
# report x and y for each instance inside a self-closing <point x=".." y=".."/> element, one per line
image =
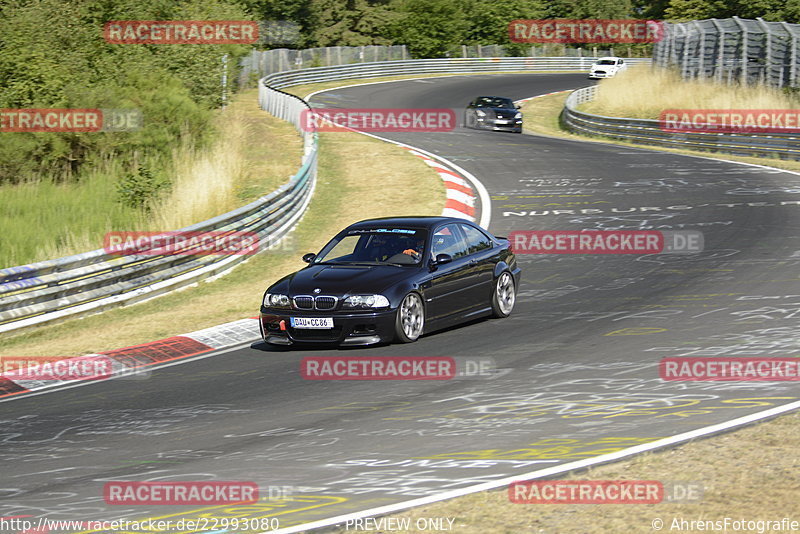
<point x="50" y="218"/>
<point x="44" y="220"/>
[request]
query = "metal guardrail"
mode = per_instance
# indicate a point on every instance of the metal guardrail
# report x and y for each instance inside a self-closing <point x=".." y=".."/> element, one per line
<point x="648" y="132"/>
<point x="52" y="290"/>
<point x="435" y="66"/>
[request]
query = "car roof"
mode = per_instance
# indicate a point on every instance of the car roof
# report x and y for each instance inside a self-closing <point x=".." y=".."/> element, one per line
<point x="609" y="57"/>
<point x="405" y="222"/>
<point x="503" y="97"/>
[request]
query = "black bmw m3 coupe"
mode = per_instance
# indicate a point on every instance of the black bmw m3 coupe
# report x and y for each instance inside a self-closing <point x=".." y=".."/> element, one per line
<point x="392" y="279"/>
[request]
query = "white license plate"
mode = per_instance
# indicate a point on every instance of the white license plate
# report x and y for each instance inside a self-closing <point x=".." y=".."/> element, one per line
<point x="502" y="122"/>
<point x="312" y="322"/>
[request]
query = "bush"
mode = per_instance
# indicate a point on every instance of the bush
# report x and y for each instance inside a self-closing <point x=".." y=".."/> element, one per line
<point x="139" y="190"/>
<point x="53" y="55"/>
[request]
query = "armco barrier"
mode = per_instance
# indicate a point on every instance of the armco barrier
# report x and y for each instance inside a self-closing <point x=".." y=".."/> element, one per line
<point x="52" y="290"/>
<point x="648" y="132"/>
<point x="436" y="66"/>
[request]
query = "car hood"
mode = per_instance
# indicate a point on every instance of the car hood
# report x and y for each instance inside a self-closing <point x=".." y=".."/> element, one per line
<point x="340" y="280"/>
<point x="501" y="111"/>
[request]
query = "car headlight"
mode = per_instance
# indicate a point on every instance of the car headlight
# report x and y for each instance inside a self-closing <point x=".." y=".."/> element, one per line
<point x="366" y="301"/>
<point x="276" y="300"/>
<point x="480" y="113"/>
<point x="518" y="115"/>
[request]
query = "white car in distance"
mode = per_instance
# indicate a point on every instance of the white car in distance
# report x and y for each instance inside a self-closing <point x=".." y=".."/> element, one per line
<point x="607" y="67"/>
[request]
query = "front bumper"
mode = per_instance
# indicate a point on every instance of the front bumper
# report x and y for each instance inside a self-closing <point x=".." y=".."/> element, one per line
<point x="512" y="125"/>
<point x="349" y="328"/>
<point x="601" y="74"/>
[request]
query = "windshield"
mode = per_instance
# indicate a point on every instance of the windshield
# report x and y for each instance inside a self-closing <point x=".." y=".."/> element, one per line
<point x="493" y="102"/>
<point x="607" y="62"/>
<point x="397" y="246"/>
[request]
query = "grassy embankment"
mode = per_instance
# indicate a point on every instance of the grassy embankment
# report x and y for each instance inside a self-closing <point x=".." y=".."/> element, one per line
<point x="46" y="219"/>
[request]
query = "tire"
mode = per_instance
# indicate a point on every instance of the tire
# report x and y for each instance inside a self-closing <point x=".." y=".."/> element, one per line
<point x="410" y="319"/>
<point x="504" y="295"/>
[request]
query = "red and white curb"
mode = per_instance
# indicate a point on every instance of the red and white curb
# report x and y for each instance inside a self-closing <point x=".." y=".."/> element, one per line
<point x="461" y="198"/>
<point x="135" y="362"/>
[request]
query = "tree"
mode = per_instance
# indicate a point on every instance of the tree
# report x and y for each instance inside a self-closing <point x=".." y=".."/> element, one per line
<point x="430" y="28"/>
<point x="350" y="23"/>
<point x="487" y="21"/>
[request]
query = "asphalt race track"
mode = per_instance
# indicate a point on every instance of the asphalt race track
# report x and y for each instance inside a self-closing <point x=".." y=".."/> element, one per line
<point x="577" y="362"/>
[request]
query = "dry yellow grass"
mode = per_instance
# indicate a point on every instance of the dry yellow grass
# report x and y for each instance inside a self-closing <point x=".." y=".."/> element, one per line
<point x="542" y="117"/>
<point x="271" y="152"/>
<point x="239" y="166"/>
<point x="642" y="92"/>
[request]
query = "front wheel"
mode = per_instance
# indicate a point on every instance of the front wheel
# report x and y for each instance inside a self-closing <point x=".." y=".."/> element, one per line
<point x="410" y="319"/>
<point x="504" y="295"/>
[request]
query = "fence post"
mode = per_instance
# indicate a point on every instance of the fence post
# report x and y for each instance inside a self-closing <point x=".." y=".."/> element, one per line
<point x="766" y="74"/>
<point x="720" y="66"/>
<point x="743" y="39"/>
<point x="793" y="58"/>
<point x="701" y="50"/>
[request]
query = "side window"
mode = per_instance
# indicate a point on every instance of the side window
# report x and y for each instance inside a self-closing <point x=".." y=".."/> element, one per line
<point x="476" y="240"/>
<point x="621" y="62"/>
<point x="448" y="240"/>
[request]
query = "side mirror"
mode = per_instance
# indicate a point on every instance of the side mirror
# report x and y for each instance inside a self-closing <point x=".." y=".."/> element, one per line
<point x="308" y="258"/>
<point x="442" y="259"/>
<point x="517" y="106"/>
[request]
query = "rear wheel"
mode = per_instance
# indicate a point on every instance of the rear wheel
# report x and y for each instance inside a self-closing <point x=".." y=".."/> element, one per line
<point x="410" y="319"/>
<point x="504" y="295"/>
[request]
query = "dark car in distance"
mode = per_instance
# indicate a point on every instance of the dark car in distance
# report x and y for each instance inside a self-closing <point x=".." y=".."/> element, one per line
<point x="493" y="113"/>
<point x="392" y="279"/>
